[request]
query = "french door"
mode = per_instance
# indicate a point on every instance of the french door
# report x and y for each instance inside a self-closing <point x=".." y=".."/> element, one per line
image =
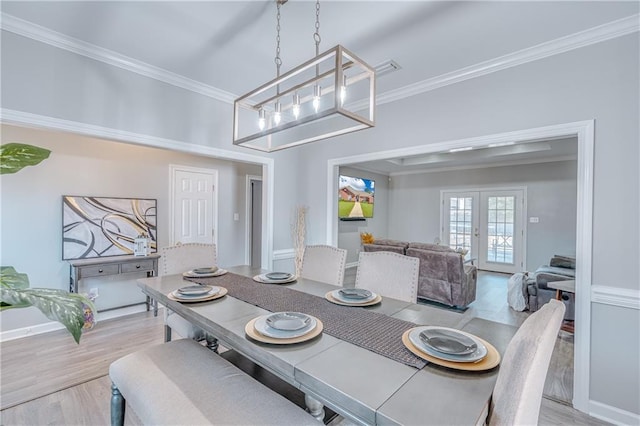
<point x="489" y="224"/>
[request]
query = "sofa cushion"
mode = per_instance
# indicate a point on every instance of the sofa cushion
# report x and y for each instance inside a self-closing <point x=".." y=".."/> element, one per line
<point x="380" y="247"/>
<point x="428" y="246"/>
<point x="388" y="242"/>
<point x="560" y="261"/>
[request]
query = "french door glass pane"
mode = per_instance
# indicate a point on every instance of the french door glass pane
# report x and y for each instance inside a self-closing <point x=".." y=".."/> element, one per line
<point x="460" y="225"/>
<point x="500" y="230"/>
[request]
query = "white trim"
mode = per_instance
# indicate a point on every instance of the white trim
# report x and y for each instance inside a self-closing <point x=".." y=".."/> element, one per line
<point x="19" y="333"/>
<point x="247" y="218"/>
<point x="486" y="165"/>
<point x="62" y="41"/>
<point x="604" y="32"/>
<point x="612" y="414"/>
<point x="27" y="119"/>
<point x="584" y="131"/>
<point x="615" y="296"/>
<point x="577" y="40"/>
<point x="173" y="168"/>
<point x="284" y="254"/>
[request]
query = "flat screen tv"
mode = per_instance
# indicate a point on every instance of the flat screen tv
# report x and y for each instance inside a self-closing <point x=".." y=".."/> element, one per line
<point x="355" y="198"/>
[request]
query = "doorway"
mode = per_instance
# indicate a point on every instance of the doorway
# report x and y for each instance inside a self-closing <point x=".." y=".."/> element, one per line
<point x="254" y="222"/>
<point x="489" y="223"/>
<point x="193" y="205"/>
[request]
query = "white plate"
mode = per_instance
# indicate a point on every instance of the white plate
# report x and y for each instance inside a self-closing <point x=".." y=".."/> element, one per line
<point x="212" y="292"/>
<point x="278" y="276"/>
<point x="191" y="274"/>
<point x="477" y="355"/>
<point x="262" y="328"/>
<point x="194" y="290"/>
<point x="354" y="293"/>
<point x="336" y="295"/>
<point x="207" y="270"/>
<point x="288" y="321"/>
<point x="262" y="278"/>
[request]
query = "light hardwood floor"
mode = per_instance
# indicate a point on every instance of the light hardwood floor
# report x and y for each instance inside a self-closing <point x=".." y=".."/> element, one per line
<point x="49" y="380"/>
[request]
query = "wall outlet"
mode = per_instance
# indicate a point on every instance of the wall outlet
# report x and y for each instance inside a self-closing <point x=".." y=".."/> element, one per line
<point x="236" y="216"/>
<point x="534" y="219"/>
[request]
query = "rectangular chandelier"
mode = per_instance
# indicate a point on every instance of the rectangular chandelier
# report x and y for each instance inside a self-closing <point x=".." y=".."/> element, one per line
<point x="329" y="95"/>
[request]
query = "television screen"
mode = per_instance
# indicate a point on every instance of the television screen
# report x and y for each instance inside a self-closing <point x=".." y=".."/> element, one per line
<point x="355" y="198"/>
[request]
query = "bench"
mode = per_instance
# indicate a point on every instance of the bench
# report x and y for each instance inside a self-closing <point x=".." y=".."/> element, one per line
<point x="182" y="382"/>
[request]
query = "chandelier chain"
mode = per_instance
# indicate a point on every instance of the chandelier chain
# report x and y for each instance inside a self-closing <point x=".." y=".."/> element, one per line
<point x="277" y="59"/>
<point x="316" y="35"/>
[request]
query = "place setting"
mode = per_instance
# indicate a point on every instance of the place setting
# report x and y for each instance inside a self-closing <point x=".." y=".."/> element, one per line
<point x="353" y="297"/>
<point x="197" y="293"/>
<point x="451" y="348"/>
<point x="204" y="272"/>
<point x="275" y="278"/>
<point x="284" y="328"/>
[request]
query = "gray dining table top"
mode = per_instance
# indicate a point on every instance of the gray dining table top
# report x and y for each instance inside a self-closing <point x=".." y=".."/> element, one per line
<point x="361" y="385"/>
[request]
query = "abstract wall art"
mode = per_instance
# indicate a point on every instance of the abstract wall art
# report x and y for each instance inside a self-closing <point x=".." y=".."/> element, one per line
<point x="101" y="226"/>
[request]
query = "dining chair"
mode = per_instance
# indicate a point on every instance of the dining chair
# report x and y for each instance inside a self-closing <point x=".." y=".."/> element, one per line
<point x="324" y="263"/>
<point x="517" y="394"/>
<point x="389" y="274"/>
<point x="176" y="260"/>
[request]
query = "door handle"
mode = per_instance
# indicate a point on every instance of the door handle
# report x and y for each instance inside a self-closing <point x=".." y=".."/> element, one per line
<point x="475" y="233"/>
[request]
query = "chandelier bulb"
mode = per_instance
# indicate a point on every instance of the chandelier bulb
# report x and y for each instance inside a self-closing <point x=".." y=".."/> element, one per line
<point x="296" y="105"/>
<point x="261" y="119"/>
<point x="317" y="93"/>
<point x="343" y="90"/>
<point x="277" y="115"/>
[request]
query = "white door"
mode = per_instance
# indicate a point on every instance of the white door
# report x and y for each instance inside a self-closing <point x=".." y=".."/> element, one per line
<point x="489" y="224"/>
<point x="194" y="207"/>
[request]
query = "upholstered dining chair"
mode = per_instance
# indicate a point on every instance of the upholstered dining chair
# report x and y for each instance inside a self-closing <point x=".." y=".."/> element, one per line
<point x="324" y="263"/>
<point x="176" y="260"/>
<point x="389" y="274"/>
<point x="517" y="394"/>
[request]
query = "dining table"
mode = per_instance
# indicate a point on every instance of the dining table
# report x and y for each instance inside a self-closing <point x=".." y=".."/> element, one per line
<point x="368" y="376"/>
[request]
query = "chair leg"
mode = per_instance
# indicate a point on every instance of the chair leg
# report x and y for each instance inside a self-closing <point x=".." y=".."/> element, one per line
<point x="117" y="406"/>
<point x="167" y="333"/>
<point x="212" y="342"/>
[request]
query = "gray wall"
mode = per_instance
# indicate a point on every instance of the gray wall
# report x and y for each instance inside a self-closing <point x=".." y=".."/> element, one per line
<point x="597" y="82"/>
<point x="31" y="210"/>
<point x="349" y="232"/>
<point x="551" y="196"/>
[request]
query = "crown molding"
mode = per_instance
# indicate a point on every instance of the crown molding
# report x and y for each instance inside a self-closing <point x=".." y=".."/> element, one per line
<point x="577" y="40"/>
<point x="53" y="38"/>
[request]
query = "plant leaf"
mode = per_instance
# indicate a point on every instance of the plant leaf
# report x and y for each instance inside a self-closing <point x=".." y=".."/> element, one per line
<point x="16" y="156"/>
<point x="10" y="278"/>
<point x="58" y="305"/>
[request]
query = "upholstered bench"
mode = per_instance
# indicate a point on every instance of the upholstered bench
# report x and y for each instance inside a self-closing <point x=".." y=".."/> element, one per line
<point x="182" y="382"/>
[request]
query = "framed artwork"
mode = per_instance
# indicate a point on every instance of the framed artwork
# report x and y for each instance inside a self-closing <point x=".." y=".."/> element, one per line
<point x="100" y="226"/>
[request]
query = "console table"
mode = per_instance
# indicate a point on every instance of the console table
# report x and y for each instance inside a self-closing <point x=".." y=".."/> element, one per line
<point x="113" y="265"/>
<point x="568" y="286"/>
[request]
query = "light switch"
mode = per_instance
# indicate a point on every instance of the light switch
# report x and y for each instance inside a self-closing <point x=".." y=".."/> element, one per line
<point x="236" y="216"/>
<point x="534" y="219"/>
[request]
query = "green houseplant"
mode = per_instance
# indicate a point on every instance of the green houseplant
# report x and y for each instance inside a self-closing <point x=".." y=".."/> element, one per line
<point x="74" y="311"/>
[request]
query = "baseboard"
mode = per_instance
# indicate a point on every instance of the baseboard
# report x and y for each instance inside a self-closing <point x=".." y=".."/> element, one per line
<point x="612" y="414"/>
<point x="48" y="327"/>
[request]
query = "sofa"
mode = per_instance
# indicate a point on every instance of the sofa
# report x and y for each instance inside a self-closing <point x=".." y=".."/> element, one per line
<point x="560" y="268"/>
<point x="444" y="277"/>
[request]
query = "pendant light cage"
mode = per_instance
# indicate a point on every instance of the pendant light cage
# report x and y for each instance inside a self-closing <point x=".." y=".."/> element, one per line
<point x="329" y="95"/>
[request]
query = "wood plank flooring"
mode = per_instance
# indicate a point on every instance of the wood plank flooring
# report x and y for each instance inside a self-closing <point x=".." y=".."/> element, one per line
<point x="49" y="380"/>
<point x="39" y="365"/>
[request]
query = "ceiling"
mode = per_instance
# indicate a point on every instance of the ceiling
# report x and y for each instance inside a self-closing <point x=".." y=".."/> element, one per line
<point x="230" y="45"/>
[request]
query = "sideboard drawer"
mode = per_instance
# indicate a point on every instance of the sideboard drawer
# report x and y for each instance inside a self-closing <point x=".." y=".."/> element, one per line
<point x="142" y="266"/>
<point x="96" y="271"/>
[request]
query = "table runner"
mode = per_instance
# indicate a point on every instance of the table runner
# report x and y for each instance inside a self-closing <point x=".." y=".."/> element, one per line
<point x="376" y="332"/>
